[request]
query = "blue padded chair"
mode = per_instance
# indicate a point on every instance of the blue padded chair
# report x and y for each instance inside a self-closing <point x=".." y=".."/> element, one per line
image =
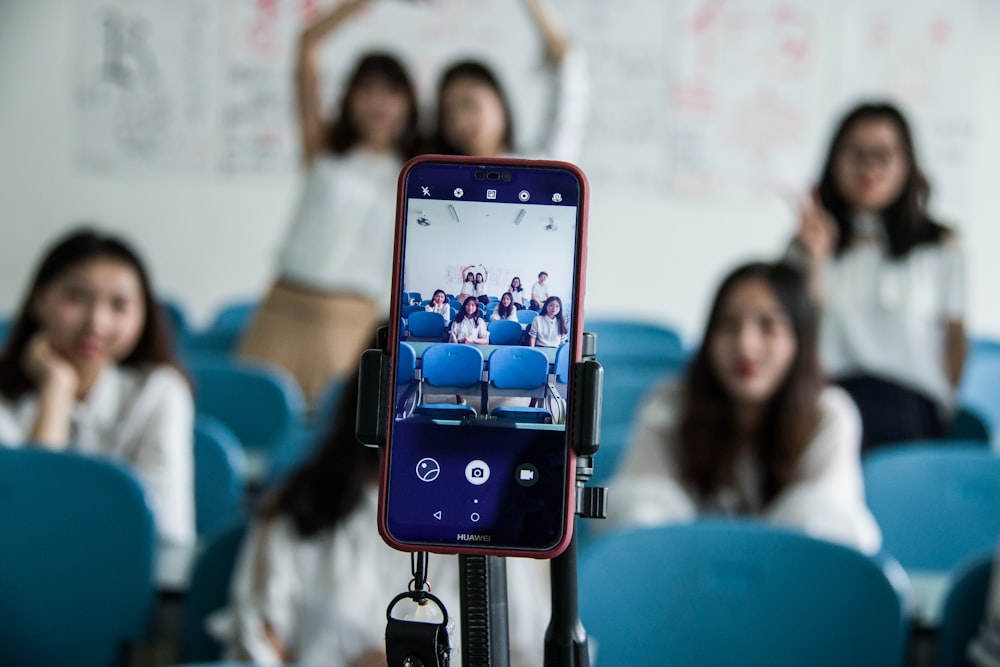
<point x="524" y="316"/>
<point x="937" y="504"/>
<point x="177" y="321"/>
<point x="964" y="610"/>
<point x="721" y="593"/>
<point x="980" y="386"/>
<point x="425" y="325"/>
<point x="261" y="404"/>
<point x="504" y="332"/>
<point x="407" y="384"/>
<point x="76" y="562"/>
<point x="968" y="425"/>
<point x="220" y="475"/>
<point x="451" y="369"/>
<point x="208" y="591"/>
<point x="409" y="310"/>
<point x="221" y="337"/>
<point x="523" y="372"/>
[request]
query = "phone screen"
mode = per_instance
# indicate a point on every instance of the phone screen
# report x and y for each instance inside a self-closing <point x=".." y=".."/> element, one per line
<point x="489" y="280"/>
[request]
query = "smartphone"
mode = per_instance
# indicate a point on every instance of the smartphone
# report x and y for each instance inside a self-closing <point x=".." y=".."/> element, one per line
<point x="478" y="457"/>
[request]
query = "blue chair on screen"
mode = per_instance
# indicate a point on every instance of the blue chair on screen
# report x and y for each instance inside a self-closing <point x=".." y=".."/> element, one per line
<point x="220" y="475"/>
<point x="424" y="325"/>
<point x="964" y="610"/>
<point x="524" y="316"/>
<point x="407" y="384"/>
<point x="409" y="310"/>
<point x="261" y="404"/>
<point x="521" y="372"/>
<point x="937" y="504"/>
<point x="208" y="591"/>
<point x="76" y="562"/>
<point x="450" y="369"/>
<point x="504" y="332"/>
<point x="721" y="593"/>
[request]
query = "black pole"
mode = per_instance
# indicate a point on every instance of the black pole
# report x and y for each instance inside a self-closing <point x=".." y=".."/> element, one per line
<point x="485" y="635"/>
<point x="565" y="638"/>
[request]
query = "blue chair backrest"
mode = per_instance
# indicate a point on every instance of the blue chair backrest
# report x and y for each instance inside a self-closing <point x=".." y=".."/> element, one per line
<point x="964" y="610"/>
<point x="424" y="324"/>
<point x="409" y="310"/>
<point x="937" y="504"/>
<point x="969" y="425"/>
<point x="720" y="593"/>
<point x="208" y="591"/>
<point x="234" y="316"/>
<point x="220" y="475"/>
<point x="504" y="332"/>
<point x="452" y="365"/>
<point x="177" y="320"/>
<point x="261" y="404"/>
<point x="980" y="385"/>
<point x="524" y="316"/>
<point x="633" y="339"/>
<point x="406" y="363"/>
<point x="562" y="364"/>
<point x="518" y="368"/>
<point x="76" y="561"/>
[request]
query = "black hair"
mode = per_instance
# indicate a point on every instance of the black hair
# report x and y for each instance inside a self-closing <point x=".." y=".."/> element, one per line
<point x="154" y="346"/>
<point x="477" y="71"/>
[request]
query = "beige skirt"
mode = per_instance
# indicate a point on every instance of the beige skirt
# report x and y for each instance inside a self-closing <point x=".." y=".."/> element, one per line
<point x="316" y="336"/>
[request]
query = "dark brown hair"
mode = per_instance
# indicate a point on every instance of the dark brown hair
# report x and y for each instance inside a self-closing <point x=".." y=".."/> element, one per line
<point x="907" y="223"/>
<point x="342" y="134"/>
<point x="708" y="446"/>
<point x="154" y="346"/>
<point x="328" y="487"/>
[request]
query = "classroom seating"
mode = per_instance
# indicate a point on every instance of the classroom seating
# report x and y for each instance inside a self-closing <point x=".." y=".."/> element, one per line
<point x="220" y="475"/>
<point x="208" y="591"/>
<point x="937" y="504"/>
<point x="636" y="357"/>
<point x="76" y="565"/>
<point x="222" y="336"/>
<point x="521" y="372"/>
<point x="406" y="311"/>
<point x="979" y="389"/>
<point x="406" y="368"/>
<point x="968" y="424"/>
<point x="424" y="325"/>
<point x="260" y="403"/>
<point x="504" y="332"/>
<point x="964" y="610"/>
<point x="721" y="593"/>
<point x="525" y="316"/>
<point x="451" y="369"/>
<point x="176" y="320"/>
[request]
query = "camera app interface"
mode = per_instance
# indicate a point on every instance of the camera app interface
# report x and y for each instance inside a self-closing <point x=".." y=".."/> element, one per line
<point x="479" y="445"/>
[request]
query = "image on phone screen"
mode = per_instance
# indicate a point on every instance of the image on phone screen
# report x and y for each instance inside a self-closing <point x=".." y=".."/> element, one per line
<point x="489" y="277"/>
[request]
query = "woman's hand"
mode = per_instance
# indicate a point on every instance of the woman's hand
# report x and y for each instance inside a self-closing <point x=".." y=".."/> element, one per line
<point x="49" y="369"/>
<point x="817" y="231"/>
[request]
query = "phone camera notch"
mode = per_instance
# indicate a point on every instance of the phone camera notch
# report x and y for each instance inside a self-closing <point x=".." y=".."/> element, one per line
<point x="493" y="175"/>
<point x="506" y="177"/>
<point x="480" y="174"/>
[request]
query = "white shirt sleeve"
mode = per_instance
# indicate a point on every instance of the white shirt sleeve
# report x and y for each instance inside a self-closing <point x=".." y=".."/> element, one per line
<point x="163" y="455"/>
<point x="828" y="500"/>
<point x="953" y="292"/>
<point x="567" y="116"/>
<point x="263" y="591"/>
<point x="647" y="491"/>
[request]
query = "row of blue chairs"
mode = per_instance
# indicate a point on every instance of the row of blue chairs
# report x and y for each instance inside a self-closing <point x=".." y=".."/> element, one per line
<point x="423" y="325"/>
<point x="459" y="369"/>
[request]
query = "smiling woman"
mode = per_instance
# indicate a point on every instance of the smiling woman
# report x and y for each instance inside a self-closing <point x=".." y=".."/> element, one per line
<point x="751" y="430"/>
<point x="88" y="367"/>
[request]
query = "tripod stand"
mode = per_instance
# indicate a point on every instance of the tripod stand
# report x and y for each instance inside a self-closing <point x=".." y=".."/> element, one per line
<point x="483" y="578"/>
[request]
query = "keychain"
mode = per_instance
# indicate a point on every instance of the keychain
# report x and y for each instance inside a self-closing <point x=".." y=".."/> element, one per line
<point x="414" y="643"/>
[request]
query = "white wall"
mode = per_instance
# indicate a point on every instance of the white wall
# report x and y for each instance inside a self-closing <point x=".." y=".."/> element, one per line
<point x="660" y="234"/>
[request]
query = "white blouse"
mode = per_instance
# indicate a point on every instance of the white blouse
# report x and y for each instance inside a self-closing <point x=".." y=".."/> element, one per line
<point x="497" y="316"/>
<point x="347" y="206"/>
<point x="826" y="501"/>
<point x="143" y="419"/>
<point x="441" y="309"/>
<point x="545" y="331"/>
<point x="886" y="317"/>
<point x="325" y="597"/>
<point x="468" y="328"/>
